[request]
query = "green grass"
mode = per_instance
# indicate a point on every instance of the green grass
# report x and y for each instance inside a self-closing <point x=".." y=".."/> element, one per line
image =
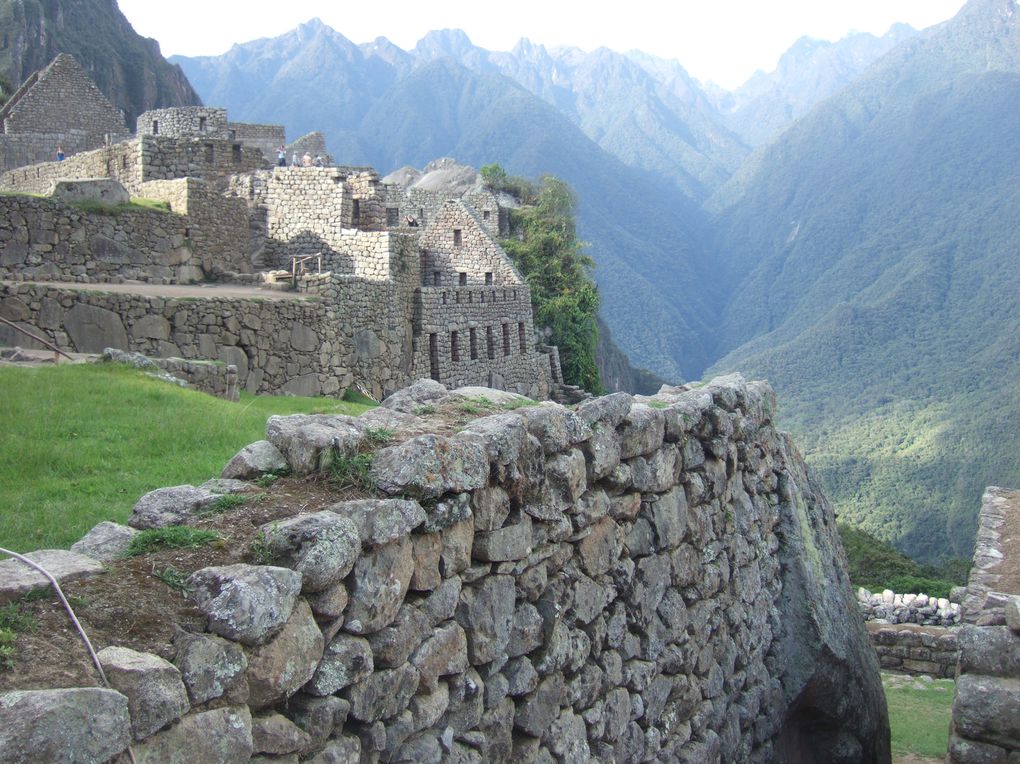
<point x="136" y="204"/>
<point x="173" y="536"/>
<point x="13" y="620"/>
<point x="81" y="443"/>
<point x="919" y="713"/>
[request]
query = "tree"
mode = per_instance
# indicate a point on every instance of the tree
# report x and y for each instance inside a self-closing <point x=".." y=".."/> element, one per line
<point x="545" y="247"/>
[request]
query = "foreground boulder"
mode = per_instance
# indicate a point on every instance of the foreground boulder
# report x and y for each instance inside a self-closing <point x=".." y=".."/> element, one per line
<point x="68" y="726"/>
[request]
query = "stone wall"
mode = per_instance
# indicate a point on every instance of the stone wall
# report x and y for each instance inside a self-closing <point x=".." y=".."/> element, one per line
<point x="624" y="583"/>
<point x="928" y="651"/>
<point x="892" y="607"/>
<point x="277" y="346"/>
<point x="986" y="710"/>
<point x="46" y="240"/>
<point x="216" y="225"/>
<point x="204" y="235"/>
<point x="458" y="249"/>
<point x="313" y="144"/>
<point x="185" y="122"/>
<point x="265" y="138"/>
<point x="479" y="336"/>
<point x="62" y="97"/>
<point x="19" y="150"/>
<point x="120" y="161"/>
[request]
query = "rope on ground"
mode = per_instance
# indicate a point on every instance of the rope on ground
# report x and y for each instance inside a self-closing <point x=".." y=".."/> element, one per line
<point x="74" y="619"/>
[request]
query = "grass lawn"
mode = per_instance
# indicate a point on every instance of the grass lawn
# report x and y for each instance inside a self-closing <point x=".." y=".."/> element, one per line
<point x="81" y="443"/>
<point x="919" y="712"/>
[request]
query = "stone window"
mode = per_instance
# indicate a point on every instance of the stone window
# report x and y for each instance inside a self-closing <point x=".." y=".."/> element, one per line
<point x="506" y="339"/>
<point x="458" y="239"/>
<point x="474" y="345"/>
<point x="462" y="278"/>
<point x="155" y="127"/>
<point x="436" y="279"/>
<point x="520" y="337"/>
<point x="392" y="217"/>
<point x="485" y="214"/>
<point x="236" y="153"/>
<point x="203" y="125"/>
<point x="421" y="216"/>
<point x="490" y="343"/>
<point x="488" y="278"/>
<point x="482" y="295"/>
<point x="434" y="357"/>
<point x="356" y="213"/>
<point x="123" y="162"/>
<point x="444" y="298"/>
<point x="454" y="346"/>
<point x="210" y="153"/>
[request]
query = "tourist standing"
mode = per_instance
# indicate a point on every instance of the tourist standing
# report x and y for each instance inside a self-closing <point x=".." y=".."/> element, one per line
<point x="60" y="153"/>
<point x="281" y="156"/>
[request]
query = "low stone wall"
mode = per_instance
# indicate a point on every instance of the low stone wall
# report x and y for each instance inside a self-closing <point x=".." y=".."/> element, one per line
<point x="929" y="650"/>
<point x="276" y="346"/>
<point x="47" y="240"/>
<point x="986" y="710"/>
<point x="891" y="607"/>
<point x="624" y="583"/>
<point x="211" y="377"/>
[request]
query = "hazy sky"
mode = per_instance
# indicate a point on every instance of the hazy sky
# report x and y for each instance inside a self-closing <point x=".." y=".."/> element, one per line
<point x="724" y="42"/>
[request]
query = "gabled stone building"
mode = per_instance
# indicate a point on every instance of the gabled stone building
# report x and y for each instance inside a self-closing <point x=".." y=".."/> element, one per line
<point x="57" y="106"/>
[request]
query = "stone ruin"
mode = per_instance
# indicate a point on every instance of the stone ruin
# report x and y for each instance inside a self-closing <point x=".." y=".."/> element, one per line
<point x="391" y="283"/>
<point x="636" y="580"/>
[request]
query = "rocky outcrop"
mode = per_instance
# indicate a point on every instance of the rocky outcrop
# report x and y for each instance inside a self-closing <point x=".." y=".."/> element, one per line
<point x="628" y="581"/>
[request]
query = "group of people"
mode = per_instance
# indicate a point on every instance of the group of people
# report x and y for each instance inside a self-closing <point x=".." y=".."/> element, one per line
<point x="305" y="161"/>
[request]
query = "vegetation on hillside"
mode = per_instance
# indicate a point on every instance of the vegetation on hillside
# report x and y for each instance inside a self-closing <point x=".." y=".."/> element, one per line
<point x="81" y="443"/>
<point x="876" y="565"/>
<point x="543" y="244"/>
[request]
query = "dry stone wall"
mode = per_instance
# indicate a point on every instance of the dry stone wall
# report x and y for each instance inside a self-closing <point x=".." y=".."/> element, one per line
<point x="62" y="97"/>
<point x="928" y="651"/>
<point x="986" y="710"/>
<point x="185" y="122"/>
<point x="46" y="240"/>
<point x="204" y="236"/>
<point x="278" y="346"/>
<point x="620" y="583"/>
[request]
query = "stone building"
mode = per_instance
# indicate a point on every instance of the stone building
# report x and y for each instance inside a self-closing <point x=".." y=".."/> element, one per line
<point x="395" y="284"/>
<point x="56" y="106"/>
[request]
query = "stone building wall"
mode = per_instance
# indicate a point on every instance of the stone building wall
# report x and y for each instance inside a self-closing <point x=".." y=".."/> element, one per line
<point x="185" y="122"/>
<point x="216" y="225"/>
<point x="121" y="162"/>
<point x="313" y="144"/>
<point x="986" y="710"/>
<point x="61" y="98"/>
<point x="265" y="138"/>
<point x="479" y="336"/>
<point x="458" y="250"/>
<point x="624" y="583"/>
<point x="19" y="150"/>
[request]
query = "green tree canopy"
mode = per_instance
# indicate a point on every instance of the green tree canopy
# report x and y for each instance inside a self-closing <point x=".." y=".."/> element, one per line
<point x="544" y="246"/>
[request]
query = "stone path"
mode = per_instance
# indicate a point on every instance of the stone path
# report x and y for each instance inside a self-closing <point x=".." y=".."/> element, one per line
<point x="174" y="290"/>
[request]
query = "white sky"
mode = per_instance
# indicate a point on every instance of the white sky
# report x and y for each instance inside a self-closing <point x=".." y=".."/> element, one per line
<point x="723" y="42"/>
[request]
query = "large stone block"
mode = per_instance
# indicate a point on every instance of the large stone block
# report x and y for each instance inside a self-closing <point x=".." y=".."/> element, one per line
<point x="75" y="726"/>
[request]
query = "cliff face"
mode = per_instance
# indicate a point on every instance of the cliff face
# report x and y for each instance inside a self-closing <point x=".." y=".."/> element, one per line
<point x="126" y="67"/>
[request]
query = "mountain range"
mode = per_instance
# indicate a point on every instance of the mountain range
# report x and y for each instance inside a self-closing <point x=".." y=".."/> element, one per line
<point x="840" y="226"/>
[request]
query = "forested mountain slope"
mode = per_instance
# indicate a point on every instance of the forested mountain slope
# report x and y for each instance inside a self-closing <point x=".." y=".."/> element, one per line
<point x="874" y="280"/>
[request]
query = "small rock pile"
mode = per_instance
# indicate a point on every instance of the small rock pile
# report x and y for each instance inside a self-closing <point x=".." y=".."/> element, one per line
<point x="890" y="607"/>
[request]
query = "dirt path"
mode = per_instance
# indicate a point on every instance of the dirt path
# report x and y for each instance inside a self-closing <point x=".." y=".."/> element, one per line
<point x="173" y="290"/>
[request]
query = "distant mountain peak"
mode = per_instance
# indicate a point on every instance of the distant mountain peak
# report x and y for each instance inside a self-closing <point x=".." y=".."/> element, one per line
<point x="444" y="42"/>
